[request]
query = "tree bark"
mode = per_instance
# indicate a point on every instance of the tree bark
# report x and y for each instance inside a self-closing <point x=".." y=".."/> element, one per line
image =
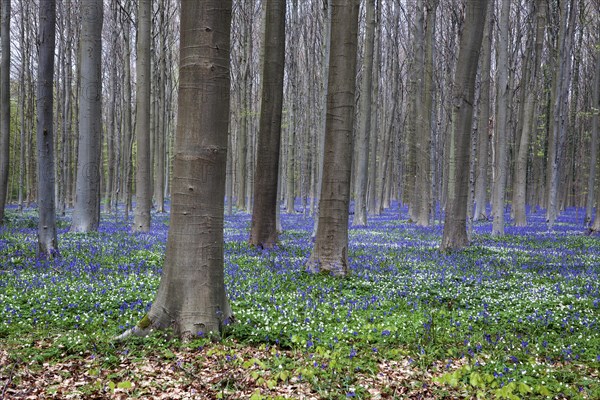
<point x="4" y="103"/>
<point x="455" y="224"/>
<point x="47" y="240"/>
<point x="364" y="128"/>
<point x="594" y="150"/>
<point x="483" y="122"/>
<point x="191" y="296"/>
<point x="143" y="182"/>
<point x="520" y="186"/>
<point x="86" y="215"/>
<point x="502" y="122"/>
<point x="263" y="232"/>
<point x="330" y="251"/>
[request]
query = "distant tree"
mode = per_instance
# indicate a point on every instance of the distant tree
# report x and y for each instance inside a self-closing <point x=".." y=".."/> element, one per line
<point x="533" y="65"/>
<point x="364" y="126"/>
<point x="483" y="121"/>
<point x="191" y="296"/>
<point x="455" y="224"/>
<point x="594" y="150"/>
<point x="86" y="215"/>
<point x="4" y="103"/>
<point x="47" y="240"/>
<point x="143" y="181"/>
<point x="330" y="251"/>
<point x="263" y="232"/>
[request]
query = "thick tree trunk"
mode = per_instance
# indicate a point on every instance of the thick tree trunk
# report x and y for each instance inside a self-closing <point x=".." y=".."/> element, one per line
<point x="86" y="215"/>
<point x="455" y="224"/>
<point x="330" y="251"/>
<point x="483" y="121"/>
<point x="4" y="103"/>
<point x="502" y="122"/>
<point x="364" y="127"/>
<point x="263" y="232"/>
<point x="47" y="240"/>
<point x="143" y="182"/>
<point x="191" y="296"/>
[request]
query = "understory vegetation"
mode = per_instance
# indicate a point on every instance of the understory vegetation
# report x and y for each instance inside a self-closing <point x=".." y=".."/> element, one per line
<point x="507" y="318"/>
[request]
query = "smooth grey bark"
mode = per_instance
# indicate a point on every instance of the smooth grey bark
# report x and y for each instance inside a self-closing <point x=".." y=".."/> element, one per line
<point x="375" y="118"/>
<point x="364" y="127"/>
<point x="330" y="250"/>
<point x="455" y="223"/>
<point x="502" y="122"/>
<point x="161" y="133"/>
<point x="422" y="201"/>
<point x="22" y="95"/>
<point x="126" y="119"/>
<point x="290" y="181"/>
<point x="483" y="121"/>
<point x="320" y="139"/>
<point x="263" y="230"/>
<point x="535" y="54"/>
<point x="86" y="215"/>
<point x="560" y="107"/>
<point x="143" y="182"/>
<point x="191" y="296"/>
<point x="594" y="150"/>
<point x="4" y="103"/>
<point x="47" y="239"/>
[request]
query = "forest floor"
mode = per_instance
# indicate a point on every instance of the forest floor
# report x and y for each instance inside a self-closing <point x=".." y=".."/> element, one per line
<point x="507" y="318"/>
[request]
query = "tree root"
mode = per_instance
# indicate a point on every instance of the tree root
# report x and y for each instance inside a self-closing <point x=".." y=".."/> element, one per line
<point x="143" y="328"/>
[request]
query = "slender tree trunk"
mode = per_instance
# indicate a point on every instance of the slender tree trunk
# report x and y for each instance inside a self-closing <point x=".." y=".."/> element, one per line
<point x="594" y="149"/>
<point x="86" y="215"/>
<point x="562" y="82"/>
<point x="483" y="122"/>
<point x="143" y="181"/>
<point x="330" y="251"/>
<point x="22" y="96"/>
<point x="364" y="127"/>
<point x="191" y="296"/>
<point x="374" y="135"/>
<point x="263" y="232"/>
<point x="47" y="239"/>
<point x="159" y="178"/>
<point x="127" y="128"/>
<point x="502" y="122"/>
<point x="520" y="186"/>
<point x="4" y="103"/>
<point x="455" y="225"/>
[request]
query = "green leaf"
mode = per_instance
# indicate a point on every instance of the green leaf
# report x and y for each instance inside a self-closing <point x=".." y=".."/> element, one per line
<point x="544" y="391"/>
<point x="475" y="379"/>
<point x="111" y="386"/>
<point x="256" y="395"/>
<point x="524" y="388"/>
<point x="124" y="385"/>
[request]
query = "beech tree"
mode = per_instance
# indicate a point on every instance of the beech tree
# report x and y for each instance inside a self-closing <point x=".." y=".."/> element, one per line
<point x="143" y="182"/>
<point x="263" y="232"/>
<point x="330" y="251"/>
<point x="455" y="223"/>
<point x="191" y="296"/>
<point x="86" y="215"/>
<point x="47" y="240"/>
<point x="4" y="103"/>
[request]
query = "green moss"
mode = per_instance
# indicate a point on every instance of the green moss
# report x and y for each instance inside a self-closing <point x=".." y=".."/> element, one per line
<point x="145" y="322"/>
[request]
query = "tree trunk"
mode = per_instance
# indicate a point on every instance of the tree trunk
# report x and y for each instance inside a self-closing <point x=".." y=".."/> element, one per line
<point x="330" y="251"/>
<point x="86" y="215"/>
<point x="455" y="224"/>
<point x="263" y="231"/>
<point x="502" y="122"/>
<point x="520" y="186"/>
<point x="594" y="150"/>
<point x="191" y="296"/>
<point x="126" y="117"/>
<point x="422" y="202"/>
<point x="483" y="121"/>
<point x="159" y="178"/>
<point x="364" y="128"/>
<point x="560" y="109"/>
<point x="143" y="182"/>
<point x="4" y="103"/>
<point x="47" y="240"/>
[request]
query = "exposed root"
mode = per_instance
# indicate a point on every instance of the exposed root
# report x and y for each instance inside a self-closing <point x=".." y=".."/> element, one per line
<point x="143" y="328"/>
